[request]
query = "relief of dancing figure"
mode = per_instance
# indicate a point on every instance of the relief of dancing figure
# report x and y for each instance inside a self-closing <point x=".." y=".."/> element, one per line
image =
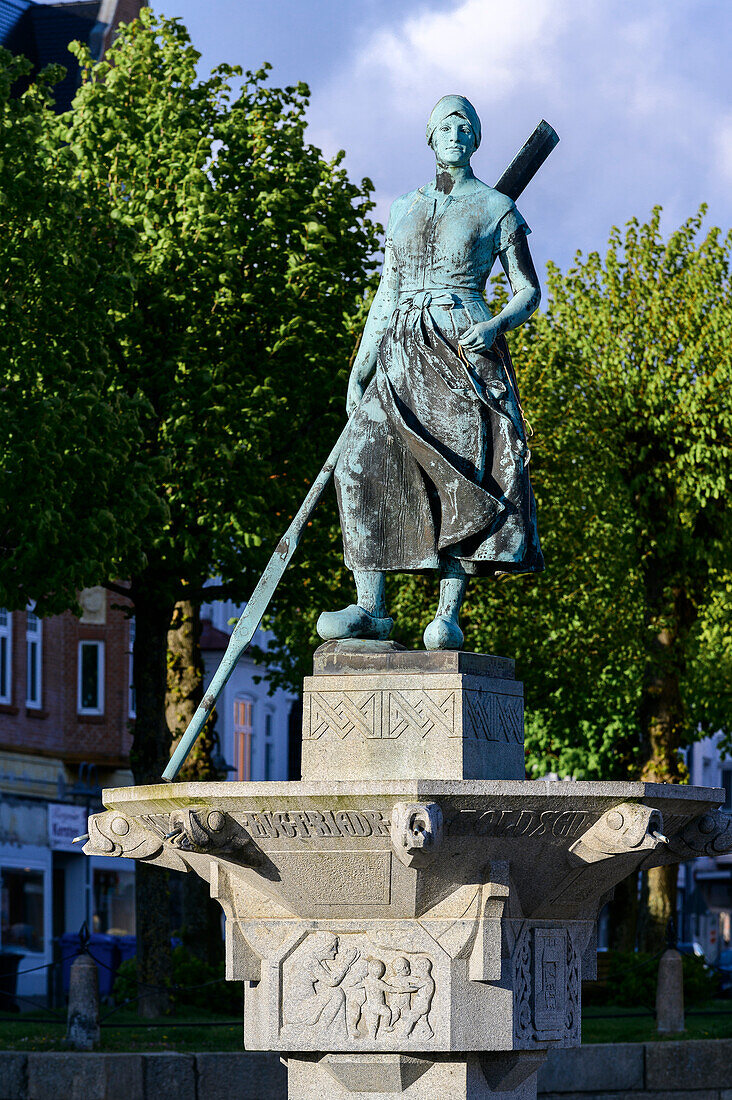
<point x="375" y="1009"/>
<point x="378" y="1004"/>
<point x="424" y="990"/>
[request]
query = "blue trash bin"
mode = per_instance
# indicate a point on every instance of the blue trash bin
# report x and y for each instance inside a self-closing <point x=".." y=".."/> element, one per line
<point x="105" y="952"/>
<point x="9" y="962"/>
<point x="127" y="946"/>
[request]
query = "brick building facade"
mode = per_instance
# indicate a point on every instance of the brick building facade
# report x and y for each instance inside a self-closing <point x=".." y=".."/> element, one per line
<point x="66" y="704"/>
<point x="52" y="720"/>
<point x="67" y="709"/>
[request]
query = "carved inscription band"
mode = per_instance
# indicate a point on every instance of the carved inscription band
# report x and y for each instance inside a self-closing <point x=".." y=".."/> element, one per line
<point x="312" y="824"/>
<point x="325" y="824"/>
<point x="537" y="823"/>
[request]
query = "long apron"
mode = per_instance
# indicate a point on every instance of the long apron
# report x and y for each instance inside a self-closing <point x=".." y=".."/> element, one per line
<point x="436" y="461"/>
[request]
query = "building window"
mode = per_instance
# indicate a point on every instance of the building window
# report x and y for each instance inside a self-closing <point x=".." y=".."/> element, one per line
<point x="114" y="902"/>
<point x="243" y="738"/>
<point x="6" y="656"/>
<point x="268" y="746"/>
<point x="132" y="699"/>
<point x="22" y="909"/>
<point x="33" y="659"/>
<point x="91" y="678"/>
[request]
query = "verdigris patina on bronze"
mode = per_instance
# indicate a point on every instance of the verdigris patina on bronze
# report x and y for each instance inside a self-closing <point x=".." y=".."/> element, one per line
<point x="434" y="472"/>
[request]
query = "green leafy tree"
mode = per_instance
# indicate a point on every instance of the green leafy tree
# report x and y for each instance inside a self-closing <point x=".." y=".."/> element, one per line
<point x="67" y="424"/>
<point x="250" y="252"/>
<point x="203" y="267"/>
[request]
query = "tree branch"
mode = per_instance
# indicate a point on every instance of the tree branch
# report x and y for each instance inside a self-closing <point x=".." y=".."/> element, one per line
<point x="118" y="589"/>
<point x="206" y="593"/>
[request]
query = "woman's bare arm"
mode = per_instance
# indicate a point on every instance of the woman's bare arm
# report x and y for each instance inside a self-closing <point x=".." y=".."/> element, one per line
<point x="380" y="313"/>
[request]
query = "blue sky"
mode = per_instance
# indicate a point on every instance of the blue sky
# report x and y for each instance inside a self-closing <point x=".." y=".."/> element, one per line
<point x="639" y="91"/>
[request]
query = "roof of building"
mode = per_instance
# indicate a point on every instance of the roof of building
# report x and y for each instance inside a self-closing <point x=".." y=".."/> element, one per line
<point x="42" y="32"/>
<point x="11" y="14"/>
<point x="211" y="638"/>
<point x="88" y="9"/>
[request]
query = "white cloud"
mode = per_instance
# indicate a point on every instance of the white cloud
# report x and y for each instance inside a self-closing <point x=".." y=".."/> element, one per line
<point x="633" y="90"/>
<point x="462" y="46"/>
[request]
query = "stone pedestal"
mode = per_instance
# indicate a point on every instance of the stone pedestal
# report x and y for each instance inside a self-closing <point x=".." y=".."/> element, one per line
<point x="391" y="1076"/>
<point x="670" y="993"/>
<point x="82" y="1030"/>
<point x="373" y="711"/>
<point x="414" y="918"/>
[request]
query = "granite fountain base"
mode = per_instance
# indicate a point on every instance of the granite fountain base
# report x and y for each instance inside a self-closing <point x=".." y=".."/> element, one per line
<point x="400" y="936"/>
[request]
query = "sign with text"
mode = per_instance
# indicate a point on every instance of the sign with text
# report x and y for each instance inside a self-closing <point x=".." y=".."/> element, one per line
<point x="64" y="823"/>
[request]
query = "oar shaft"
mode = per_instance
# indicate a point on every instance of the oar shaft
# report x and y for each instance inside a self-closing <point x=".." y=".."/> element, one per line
<point x="252" y="616"/>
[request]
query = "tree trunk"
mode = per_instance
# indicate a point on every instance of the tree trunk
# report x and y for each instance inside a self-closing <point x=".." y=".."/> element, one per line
<point x="185" y="691"/>
<point x="659" y="895"/>
<point x="150" y="753"/>
<point x="152" y="905"/>
<point x="623" y="915"/>
<point x="663" y="721"/>
<point x="662" y="711"/>
<point x="200" y="914"/>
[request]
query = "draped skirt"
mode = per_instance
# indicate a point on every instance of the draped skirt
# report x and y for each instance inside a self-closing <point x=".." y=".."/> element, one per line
<point x="435" y="465"/>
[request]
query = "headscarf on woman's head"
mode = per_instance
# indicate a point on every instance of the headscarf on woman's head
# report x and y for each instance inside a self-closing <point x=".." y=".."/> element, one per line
<point x="453" y="105"/>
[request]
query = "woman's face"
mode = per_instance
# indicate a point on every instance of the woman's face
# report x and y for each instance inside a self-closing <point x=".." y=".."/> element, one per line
<point x="330" y="948"/>
<point x="453" y="142"/>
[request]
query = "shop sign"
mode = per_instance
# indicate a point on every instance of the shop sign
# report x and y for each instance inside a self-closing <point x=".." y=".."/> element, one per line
<point x="64" y="823"/>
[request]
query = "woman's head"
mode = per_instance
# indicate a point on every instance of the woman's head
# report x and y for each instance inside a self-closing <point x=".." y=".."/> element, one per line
<point x="453" y="130"/>
<point x="326" y="946"/>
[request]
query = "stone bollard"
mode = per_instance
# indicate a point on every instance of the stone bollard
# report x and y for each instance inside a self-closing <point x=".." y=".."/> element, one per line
<point x="670" y="993"/>
<point x="82" y="1032"/>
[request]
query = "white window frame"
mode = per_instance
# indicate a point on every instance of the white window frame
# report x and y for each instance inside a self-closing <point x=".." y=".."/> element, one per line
<point x="6" y="655"/>
<point x="131" y="696"/>
<point x="269" y="744"/>
<point x="99" y="709"/>
<point x="33" y="664"/>
<point x="29" y="864"/>
<point x="244" y="740"/>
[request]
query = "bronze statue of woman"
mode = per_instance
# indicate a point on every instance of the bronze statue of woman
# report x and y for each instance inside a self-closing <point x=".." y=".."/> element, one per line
<point x="434" y="472"/>
<point x="432" y="468"/>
